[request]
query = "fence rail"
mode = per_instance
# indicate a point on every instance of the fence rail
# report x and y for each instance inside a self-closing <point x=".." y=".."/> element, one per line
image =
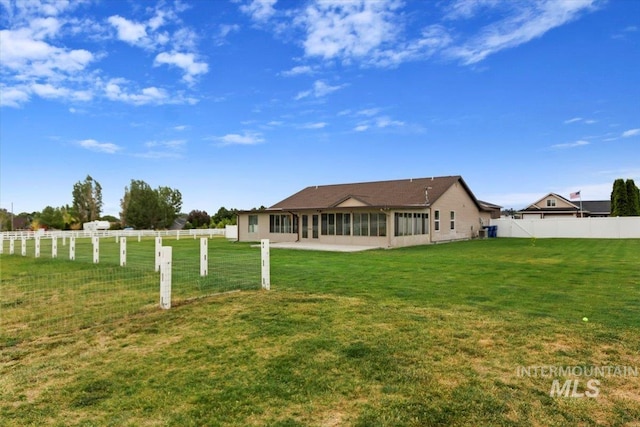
<point x="588" y="228"/>
<point x="47" y="234"/>
<point x="94" y="285"/>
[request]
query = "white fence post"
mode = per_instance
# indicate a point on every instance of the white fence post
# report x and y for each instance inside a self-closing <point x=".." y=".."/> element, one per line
<point x="266" y="270"/>
<point x="72" y="248"/>
<point x="158" y="252"/>
<point x="96" y="249"/>
<point x="54" y="247"/>
<point x="12" y="245"/>
<point x="204" y="257"/>
<point x="24" y="246"/>
<point x="165" y="277"/>
<point x="37" y="240"/>
<point x="1" y="243"/>
<point x="177" y="234"/>
<point x="123" y="251"/>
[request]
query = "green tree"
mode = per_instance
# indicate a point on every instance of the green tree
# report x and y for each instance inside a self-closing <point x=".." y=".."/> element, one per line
<point x="143" y="207"/>
<point x="224" y="217"/>
<point x="51" y="218"/>
<point x="619" y="199"/>
<point x="633" y="198"/>
<point x="5" y="220"/>
<point x="87" y="200"/>
<point x="139" y="205"/>
<point x="169" y="205"/>
<point x="198" y="218"/>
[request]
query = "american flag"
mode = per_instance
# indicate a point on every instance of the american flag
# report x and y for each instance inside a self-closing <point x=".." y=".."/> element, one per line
<point x="575" y="195"/>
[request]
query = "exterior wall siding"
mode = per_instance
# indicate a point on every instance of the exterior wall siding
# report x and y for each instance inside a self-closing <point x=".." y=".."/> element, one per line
<point x="467" y="215"/>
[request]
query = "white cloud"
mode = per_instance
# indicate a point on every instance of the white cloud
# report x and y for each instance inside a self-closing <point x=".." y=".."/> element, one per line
<point x="150" y="95"/>
<point x="298" y="70"/>
<point x="369" y="112"/>
<point x="128" y="31"/>
<point x="173" y="144"/>
<point x="630" y="132"/>
<point x="224" y="31"/>
<point x="524" y="21"/>
<point x="348" y="29"/>
<point x="320" y="89"/>
<point x="259" y="10"/>
<point x="383" y="122"/>
<point x="573" y="120"/>
<point x="361" y="128"/>
<point x="180" y="128"/>
<point x="247" y="138"/>
<point x="13" y="96"/>
<point x="102" y="147"/>
<point x="318" y="125"/>
<point x="579" y="143"/>
<point x="185" y="61"/>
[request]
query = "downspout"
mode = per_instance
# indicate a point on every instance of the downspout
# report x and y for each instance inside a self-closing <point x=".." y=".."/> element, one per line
<point x="298" y="220"/>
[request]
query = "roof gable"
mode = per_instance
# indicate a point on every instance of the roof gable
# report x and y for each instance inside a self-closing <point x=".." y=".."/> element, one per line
<point x="420" y="192"/>
<point x="558" y="200"/>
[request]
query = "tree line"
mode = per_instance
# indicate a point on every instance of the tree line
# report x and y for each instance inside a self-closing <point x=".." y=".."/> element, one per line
<point x="142" y="207"/>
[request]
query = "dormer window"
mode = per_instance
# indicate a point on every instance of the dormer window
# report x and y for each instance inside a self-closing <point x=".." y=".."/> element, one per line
<point x="551" y="203"/>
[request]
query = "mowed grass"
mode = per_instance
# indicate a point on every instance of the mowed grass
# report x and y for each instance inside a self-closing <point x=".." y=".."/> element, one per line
<point x="418" y="336"/>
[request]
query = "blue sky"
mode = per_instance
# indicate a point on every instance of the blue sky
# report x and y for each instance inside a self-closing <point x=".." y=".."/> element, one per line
<point x="241" y="103"/>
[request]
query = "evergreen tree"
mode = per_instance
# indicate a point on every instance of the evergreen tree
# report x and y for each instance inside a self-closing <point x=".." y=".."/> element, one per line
<point x="619" y="198"/>
<point x="633" y="198"/>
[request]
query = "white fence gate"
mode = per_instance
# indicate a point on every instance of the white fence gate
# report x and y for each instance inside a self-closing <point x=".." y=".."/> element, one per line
<point x="588" y="228"/>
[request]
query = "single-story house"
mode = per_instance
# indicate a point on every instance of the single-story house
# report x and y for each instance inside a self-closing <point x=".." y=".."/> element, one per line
<point x="555" y="206"/>
<point x="384" y="214"/>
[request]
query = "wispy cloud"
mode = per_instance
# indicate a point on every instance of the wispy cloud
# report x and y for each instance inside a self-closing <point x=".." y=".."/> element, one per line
<point x="580" y="120"/>
<point x="298" y="70"/>
<point x="184" y="61"/>
<point x="374" y="33"/>
<point x="630" y="133"/>
<point x="521" y="22"/>
<point x="579" y="143"/>
<point x="246" y="138"/>
<point x="101" y="147"/>
<point x="320" y="89"/>
<point x="318" y="125"/>
<point x="259" y="10"/>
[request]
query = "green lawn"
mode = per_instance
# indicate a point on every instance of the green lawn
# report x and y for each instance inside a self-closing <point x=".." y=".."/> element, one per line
<point x="421" y="336"/>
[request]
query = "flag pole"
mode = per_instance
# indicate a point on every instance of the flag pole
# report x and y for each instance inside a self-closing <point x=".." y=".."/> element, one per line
<point x="581" y="213"/>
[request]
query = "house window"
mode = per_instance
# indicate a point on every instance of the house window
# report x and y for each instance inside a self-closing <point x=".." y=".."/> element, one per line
<point x="551" y="203"/>
<point x="285" y="223"/>
<point x="436" y="220"/>
<point x="452" y="220"/>
<point x="377" y="224"/>
<point x="253" y="223"/>
<point x="335" y="224"/>
<point x="409" y="224"/>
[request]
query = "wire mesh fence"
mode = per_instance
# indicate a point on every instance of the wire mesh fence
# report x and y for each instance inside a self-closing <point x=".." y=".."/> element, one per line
<point x="68" y="289"/>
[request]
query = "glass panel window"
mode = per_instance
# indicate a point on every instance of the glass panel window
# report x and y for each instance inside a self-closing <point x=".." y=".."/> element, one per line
<point x="283" y="223"/>
<point x="253" y="223"/>
<point x="452" y="220"/>
<point x="382" y="224"/>
<point x="436" y="220"/>
<point x="346" y="225"/>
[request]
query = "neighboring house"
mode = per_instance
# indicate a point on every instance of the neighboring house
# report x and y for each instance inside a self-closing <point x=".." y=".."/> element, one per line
<point x="555" y="206"/>
<point x="383" y="213"/>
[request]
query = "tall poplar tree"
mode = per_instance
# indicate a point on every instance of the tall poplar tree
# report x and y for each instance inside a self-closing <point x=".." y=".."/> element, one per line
<point x="87" y="200"/>
<point x="633" y="198"/>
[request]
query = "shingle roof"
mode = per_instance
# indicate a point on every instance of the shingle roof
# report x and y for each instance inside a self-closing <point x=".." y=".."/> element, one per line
<point x="396" y="193"/>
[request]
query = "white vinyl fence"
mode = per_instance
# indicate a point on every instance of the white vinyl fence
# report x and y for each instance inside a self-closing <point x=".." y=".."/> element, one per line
<point x="588" y="228"/>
